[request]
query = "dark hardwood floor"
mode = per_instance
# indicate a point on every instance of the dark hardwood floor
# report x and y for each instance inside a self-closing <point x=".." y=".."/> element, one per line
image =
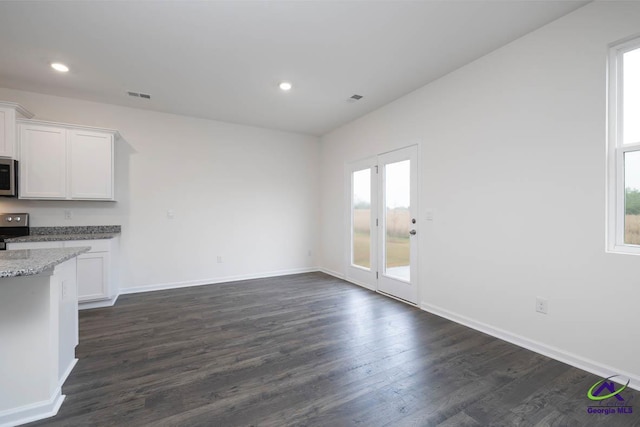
<point x="308" y="350"/>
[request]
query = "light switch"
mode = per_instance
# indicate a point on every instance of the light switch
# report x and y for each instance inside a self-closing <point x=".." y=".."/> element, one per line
<point x="430" y="214"/>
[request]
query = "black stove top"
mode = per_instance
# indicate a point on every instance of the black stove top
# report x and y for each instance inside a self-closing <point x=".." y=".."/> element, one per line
<point x="13" y="225"/>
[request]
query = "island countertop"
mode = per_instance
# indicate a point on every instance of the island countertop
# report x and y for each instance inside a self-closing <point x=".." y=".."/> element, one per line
<point x="27" y="262"/>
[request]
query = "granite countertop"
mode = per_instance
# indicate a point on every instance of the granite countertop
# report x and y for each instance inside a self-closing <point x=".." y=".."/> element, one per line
<point x="27" y="262"/>
<point x="57" y="234"/>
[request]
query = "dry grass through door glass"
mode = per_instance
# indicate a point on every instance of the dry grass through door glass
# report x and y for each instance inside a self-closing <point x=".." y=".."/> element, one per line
<point x="632" y="229"/>
<point x="397" y="242"/>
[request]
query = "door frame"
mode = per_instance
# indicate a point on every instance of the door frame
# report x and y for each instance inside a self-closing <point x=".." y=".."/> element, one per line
<point x="371" y="281"/>
<point x="387" y="284"/>
<point x="358" y="275"/>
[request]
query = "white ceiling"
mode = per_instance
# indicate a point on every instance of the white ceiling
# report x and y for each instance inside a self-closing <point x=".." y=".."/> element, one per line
<point x="223" y="60"/>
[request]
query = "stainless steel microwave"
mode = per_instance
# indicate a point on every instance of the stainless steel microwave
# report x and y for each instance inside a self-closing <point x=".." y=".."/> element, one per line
<point x="8" y="178"/>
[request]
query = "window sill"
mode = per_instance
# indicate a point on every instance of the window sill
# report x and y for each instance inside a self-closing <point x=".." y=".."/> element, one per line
<point x="624" y="250"/>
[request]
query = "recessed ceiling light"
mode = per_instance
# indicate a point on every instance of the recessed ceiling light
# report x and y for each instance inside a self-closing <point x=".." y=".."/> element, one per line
<point x="286" y="86"/>
<point x="60" y="67"/>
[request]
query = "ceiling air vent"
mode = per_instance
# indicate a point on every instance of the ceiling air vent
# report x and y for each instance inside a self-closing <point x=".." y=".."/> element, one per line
<point x="139" y="95"/>
<point x="354" y="98"/>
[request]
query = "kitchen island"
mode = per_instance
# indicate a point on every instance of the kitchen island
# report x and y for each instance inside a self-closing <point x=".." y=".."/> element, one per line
<point x="38" y="330"/>
<point x="97" y="269"/>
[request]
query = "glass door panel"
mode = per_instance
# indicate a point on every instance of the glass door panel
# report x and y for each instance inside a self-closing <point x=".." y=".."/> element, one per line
<point x="361" y="218"/>
<point x="361" y="213"/>
<point x="397" y="220"/>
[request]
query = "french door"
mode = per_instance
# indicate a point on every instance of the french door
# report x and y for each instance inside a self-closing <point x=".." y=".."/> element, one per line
<point x="383" y="226"/>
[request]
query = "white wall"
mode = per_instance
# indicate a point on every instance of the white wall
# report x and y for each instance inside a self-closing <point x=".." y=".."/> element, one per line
<point x="247" y="194"/>
<point x="513" y="163"/>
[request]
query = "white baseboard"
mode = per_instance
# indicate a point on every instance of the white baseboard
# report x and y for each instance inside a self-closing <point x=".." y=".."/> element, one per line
<point x="216" y="280"/>
<point x="579" y="362"/>
<point x="38" y="411"/>
<point x="346" y="279"/>
<point x="364" y="285"/>
<point x="331" y="273"/>
<point x="34" y="412"/>
<point x="67" y="372"/>
<point x="98" y="304"/>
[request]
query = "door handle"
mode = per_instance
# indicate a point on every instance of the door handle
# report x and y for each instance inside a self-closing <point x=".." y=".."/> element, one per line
<point x="412" y="232"/>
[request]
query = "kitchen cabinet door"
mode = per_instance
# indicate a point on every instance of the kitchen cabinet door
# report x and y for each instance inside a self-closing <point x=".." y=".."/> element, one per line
<point x="7" y="132"/>
<point x="9" y="112"/>
<point x="93" y="276"/>
<point x="43" y="165"/>
<point x="95" y="270"/>
<point x="91" y="165"/>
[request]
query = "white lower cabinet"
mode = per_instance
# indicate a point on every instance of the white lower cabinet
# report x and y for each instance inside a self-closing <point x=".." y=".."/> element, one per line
<point x="95" y="269"/>
<point x="93" y="273"/>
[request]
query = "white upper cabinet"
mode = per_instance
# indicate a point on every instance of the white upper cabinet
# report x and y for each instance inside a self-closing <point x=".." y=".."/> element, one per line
<point x="43" y="168"/>
<point x="9" y="112"/>
<point x="90" y="164"/>
<point x="65" y="162"/>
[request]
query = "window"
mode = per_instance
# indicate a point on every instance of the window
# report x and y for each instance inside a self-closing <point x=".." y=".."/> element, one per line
<point x="624" y="148"/>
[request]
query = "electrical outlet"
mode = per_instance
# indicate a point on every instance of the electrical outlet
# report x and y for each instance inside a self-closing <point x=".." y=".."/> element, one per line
<point x="68" y="215"/>
<point x="309" y="252"/>
<point x="219" y="259"/>
<point x="542" y="305"/>
<point x="171" y="214"/>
